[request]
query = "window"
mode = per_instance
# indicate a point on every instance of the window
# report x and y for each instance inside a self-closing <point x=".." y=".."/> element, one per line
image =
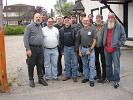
<point x="95" y="12"/>
<point x="104" y="12"/>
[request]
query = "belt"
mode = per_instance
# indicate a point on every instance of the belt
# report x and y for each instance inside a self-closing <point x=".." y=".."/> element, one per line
<point x="86" y="46"/>
<point x="38" y="46"/>
<point x="51" y="48"/>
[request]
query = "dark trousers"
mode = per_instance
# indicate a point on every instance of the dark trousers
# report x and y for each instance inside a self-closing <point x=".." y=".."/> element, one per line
<point x="80" y="64"/>
<point x="100" y="70"/>
<point x="59" y="65"/>
<point x="37" y="59"/>
<point x="43" y="69"/>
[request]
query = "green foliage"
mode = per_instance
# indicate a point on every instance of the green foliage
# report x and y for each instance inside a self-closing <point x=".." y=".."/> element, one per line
<point x="63" y="8"/>
<point x="14" y="30"/>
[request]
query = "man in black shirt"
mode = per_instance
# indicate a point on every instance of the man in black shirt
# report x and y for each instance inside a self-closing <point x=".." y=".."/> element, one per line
<point x="67" y="42"/>
<point x="59" y="25"/>
<point x="44" y="20"/>
<point x="74" y="19"/>
<point x="43" y="23"/>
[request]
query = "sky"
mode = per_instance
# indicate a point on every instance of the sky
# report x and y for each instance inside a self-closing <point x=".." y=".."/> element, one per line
<point x="48" y="4"/>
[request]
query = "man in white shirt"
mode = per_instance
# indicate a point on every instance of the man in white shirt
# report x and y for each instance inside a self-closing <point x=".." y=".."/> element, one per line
<point x="51" y="40"/>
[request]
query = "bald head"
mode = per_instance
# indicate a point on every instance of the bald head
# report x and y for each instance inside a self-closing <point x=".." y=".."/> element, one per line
<point x="37" y="18"/>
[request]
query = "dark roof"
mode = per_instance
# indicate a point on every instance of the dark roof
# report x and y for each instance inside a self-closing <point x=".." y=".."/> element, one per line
<point x="18" y="8"/>
<point x="19" y="5"/>
<point x="78" y="6"/>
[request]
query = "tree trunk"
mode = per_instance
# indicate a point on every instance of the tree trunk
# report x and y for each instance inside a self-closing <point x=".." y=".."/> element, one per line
<point x="3" y="76"/>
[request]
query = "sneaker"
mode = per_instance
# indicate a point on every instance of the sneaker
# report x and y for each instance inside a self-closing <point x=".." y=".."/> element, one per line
<point x="91" y="83"/>
<point x="107" y="81"/>
<point x="59" y="74"/>
<point x="84" y="80"/>
<point x="66" y="78"/>
<point x="31" y="83"/>
<point x="116" y="85"/>
<point x="43" y="82"/>
<point x="75" y="79"/>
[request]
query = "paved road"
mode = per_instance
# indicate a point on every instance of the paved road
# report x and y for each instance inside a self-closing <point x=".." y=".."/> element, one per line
<point x="59" y="90"/>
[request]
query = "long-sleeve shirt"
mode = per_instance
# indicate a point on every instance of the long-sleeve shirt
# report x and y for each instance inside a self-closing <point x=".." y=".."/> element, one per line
<point x="118" y="35"/>
<point x="68" y="37"/>
<point x="33" y="35"/>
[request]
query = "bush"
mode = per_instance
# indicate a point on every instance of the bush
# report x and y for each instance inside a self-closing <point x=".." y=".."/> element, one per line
<point x="14" y="30"/>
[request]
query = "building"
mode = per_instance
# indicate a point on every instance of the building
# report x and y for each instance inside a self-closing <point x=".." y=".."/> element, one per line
<point x="18" y="14"/>
<point x="123" y="10"/>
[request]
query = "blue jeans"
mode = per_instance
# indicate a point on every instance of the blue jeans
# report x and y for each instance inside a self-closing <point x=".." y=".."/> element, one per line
<point x="70" y="58"/>
<point x="50" y="63"/>
<point x="113" y="74"/>
<point x="88" y="65"/>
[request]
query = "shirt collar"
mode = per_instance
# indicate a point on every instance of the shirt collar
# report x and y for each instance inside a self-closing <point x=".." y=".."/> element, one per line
<point x="36" y="24"/>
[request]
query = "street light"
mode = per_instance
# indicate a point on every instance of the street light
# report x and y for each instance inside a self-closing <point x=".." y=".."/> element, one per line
<point x="78" y="8"/>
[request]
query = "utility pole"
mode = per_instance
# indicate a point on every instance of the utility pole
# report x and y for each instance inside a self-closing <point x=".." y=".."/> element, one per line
<point x="3" y="75"/>
<point x="6" y="14"/>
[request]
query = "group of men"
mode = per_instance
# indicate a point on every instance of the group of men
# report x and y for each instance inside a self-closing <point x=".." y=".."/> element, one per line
<point x="87" y="46"/>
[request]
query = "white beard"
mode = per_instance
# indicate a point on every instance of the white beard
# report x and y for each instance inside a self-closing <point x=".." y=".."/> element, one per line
<point x="111" y="25"/>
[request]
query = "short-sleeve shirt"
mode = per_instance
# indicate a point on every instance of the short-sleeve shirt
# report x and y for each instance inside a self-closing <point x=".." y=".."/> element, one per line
<point x="51" y="37"/>
<point x="87" y="36"/>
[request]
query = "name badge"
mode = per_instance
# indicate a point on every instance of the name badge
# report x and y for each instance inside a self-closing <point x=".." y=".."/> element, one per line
<point x="89" y="33"/>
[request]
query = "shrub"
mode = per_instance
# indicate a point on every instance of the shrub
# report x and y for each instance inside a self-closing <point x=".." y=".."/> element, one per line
<point x="14" y="30"/>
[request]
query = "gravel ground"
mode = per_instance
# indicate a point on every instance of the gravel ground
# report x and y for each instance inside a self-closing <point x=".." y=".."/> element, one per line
<point x="59" y="90"/>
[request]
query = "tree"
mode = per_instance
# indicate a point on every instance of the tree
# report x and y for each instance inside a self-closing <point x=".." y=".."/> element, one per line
<point x="63" y="8"/>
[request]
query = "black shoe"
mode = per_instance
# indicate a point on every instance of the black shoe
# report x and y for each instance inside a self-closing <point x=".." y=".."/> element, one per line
<point x="47" y="79"/>
<point x="100" y="80"/>
<point x="75" y="79"/>
<point x="116" y="85"/>
<point x="91" y="83"/>
<point x="97" y="77"/>
<point x="31" y="83"/>
<point x="84" y="80"/>
<point x="59" y="74"/>
<point x="42" y="81"/>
